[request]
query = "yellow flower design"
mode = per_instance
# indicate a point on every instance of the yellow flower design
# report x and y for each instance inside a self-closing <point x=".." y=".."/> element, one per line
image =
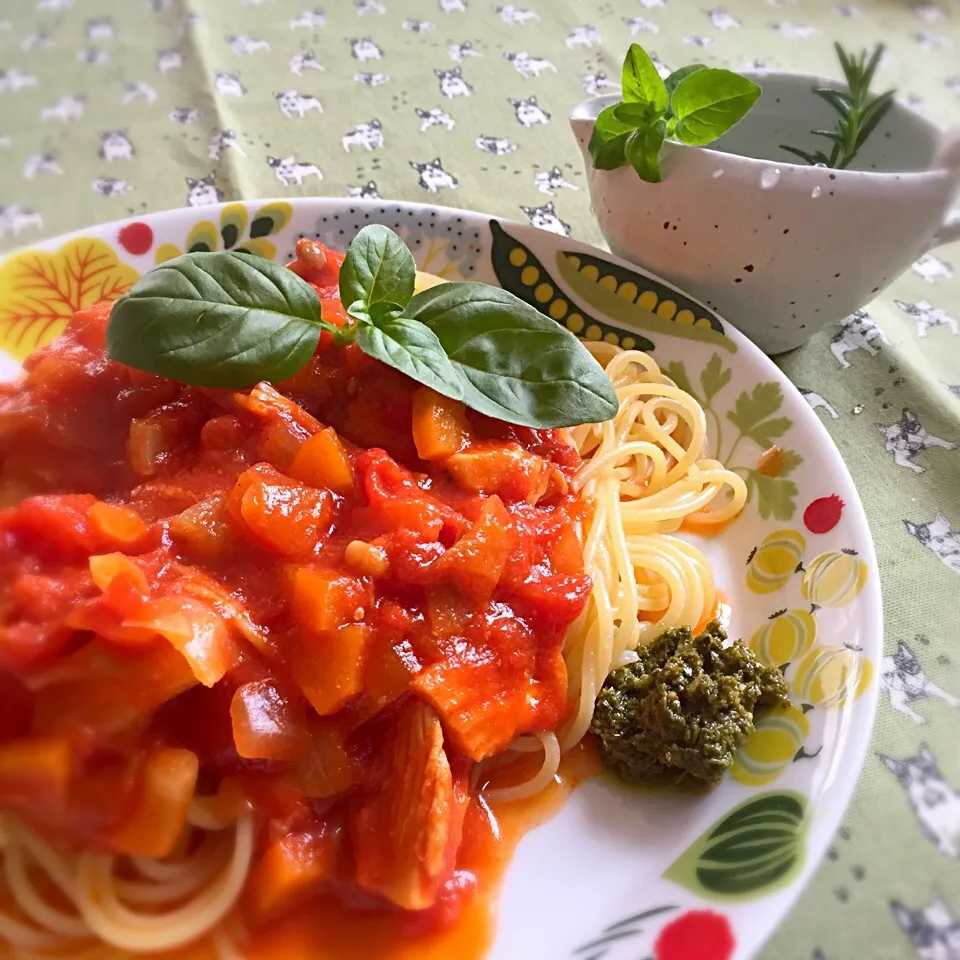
<point x="830" y="676"/>
<point x="772" y="747"/>
<point x="236" y="232"/>
<point x="40" y="291"/>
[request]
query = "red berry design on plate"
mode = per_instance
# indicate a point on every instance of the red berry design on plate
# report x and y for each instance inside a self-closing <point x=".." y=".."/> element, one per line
<point x="823" y="514"/>
<point x="696" y="935"/>
<point x="136" y="238"/>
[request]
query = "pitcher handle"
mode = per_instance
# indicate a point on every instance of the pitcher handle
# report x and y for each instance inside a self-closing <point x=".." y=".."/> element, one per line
<point x="948" y="157"/>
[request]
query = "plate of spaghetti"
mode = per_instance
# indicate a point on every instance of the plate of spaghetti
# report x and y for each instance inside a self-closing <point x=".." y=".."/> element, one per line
<point x="380" y="580"/>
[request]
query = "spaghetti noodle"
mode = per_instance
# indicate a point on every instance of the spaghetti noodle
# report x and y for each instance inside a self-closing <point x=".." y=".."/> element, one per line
<point x="645" y="474"/>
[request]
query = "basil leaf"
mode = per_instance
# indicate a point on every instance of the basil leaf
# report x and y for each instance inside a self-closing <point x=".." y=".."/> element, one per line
<point x="674" y="79"/>
<point x="642" y="151"/>
<point x="708" y="102"/>
<point x="217" y="320"/>
<point x="634" y="114"/>
<point x="608" y="139"/>
<point x="412" y="348"/>
<point x="514" y="363"/>
<point x="642" y="84"/>
<point x="378" y="269"/>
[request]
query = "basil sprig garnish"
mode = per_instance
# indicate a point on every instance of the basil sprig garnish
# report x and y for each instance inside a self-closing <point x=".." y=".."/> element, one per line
<point x="233" y="320"/>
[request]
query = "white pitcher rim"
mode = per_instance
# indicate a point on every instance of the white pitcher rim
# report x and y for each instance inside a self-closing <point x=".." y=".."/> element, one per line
<point x="937" y="134"/>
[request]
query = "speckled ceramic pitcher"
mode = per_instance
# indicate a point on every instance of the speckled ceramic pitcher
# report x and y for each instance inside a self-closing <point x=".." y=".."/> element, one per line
<point x="778" y="248"/>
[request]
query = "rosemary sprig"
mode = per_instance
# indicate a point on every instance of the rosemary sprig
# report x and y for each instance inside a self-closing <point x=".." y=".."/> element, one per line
<point x="858" y="114"/>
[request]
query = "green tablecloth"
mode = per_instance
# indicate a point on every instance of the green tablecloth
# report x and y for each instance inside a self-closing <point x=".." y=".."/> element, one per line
<point x="115" y="107"/>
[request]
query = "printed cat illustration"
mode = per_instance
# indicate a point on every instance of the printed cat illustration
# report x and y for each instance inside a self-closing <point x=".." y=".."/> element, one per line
<point x="902" y="676"/>
<point x="932" y="931"/>
<point x="935" y="804"/>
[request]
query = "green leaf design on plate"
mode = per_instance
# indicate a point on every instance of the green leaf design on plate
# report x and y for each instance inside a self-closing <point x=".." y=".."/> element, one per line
<point x="752" y="410"/>
<point x="757" y="848"/>
<point x="776" y="496"/>
<point x="714" y="376"/>
<point x="636" y="301"/>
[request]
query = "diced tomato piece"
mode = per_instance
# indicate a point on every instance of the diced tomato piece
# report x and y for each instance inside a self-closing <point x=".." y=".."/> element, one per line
<point x="289" y="519"/>
<point x="405" y="838"/>
<point x="329" y="668"/>
<point x="328" y="768"/>
<point x="291" y="869"/>
<point x="268" y="724"/>
<point x="322" y="600"/>
<point x="323" y="462"/>
<point x="117" y="524"/>
<point x="476" y="562"/>
<point x="502" y="468"/>
<point x="62" y="521"/>
<point x="440" y="426"/>
<point x="553" y="601"/>
<point x="429" y="519"/>
<point x="89" y="325"/>
<point x="168" y="777"/>
<point x="382" y="478"/>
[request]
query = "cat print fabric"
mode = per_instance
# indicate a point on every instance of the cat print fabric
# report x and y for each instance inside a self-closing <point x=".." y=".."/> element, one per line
<point x="110" y="109"/>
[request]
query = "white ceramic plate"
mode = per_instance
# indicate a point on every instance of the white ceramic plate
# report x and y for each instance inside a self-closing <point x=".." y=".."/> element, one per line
<point x="617" y="875"/>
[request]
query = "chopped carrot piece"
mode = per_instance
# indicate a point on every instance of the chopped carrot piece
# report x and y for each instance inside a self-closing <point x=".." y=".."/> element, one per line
<point x="258" y="473"/>
<point x="266" y="402"/>
<point x="292" y="868"/>
<point x="291" y="520"/>
<point x="405" y="838"/>
<point x="323" y="600"/>
<point x="329" y="668"/>
<point x="267" y="724"/>
<point x="36" y="766"/>
<point x="502" y="468"/>
<point x="476" y="561"/>
<point x="390" y="668"/>
<point x="328" y="767"/>
<point x="323" y="462"/>
<point x="440" y="426"/>
<point x="117" y="523"/>
<point x="166" y="785"/>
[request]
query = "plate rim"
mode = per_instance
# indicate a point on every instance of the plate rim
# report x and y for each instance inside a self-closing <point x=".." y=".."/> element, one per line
<point x="765" y="367"/>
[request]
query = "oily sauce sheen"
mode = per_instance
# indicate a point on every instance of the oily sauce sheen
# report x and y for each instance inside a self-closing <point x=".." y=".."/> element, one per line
<point x="338" y="594"/>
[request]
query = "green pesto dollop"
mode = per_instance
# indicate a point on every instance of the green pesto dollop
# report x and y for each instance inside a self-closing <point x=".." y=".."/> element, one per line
<point x="684" y="708"/>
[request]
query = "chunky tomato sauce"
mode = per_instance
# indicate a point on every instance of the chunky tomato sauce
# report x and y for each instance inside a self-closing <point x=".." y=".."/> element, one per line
<point x="327" y="600"/>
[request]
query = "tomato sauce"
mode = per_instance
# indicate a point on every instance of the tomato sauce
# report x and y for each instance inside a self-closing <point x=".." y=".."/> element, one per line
<point x="326" y="600"/>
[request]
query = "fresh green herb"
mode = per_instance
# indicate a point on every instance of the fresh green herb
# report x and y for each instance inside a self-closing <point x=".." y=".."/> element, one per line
<point x="684" y="708"/>
<point x="232" y="320"/>
<point x="694" y="105"/>
<point x="858" y="113"/>
<point x="217" y="320"/>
